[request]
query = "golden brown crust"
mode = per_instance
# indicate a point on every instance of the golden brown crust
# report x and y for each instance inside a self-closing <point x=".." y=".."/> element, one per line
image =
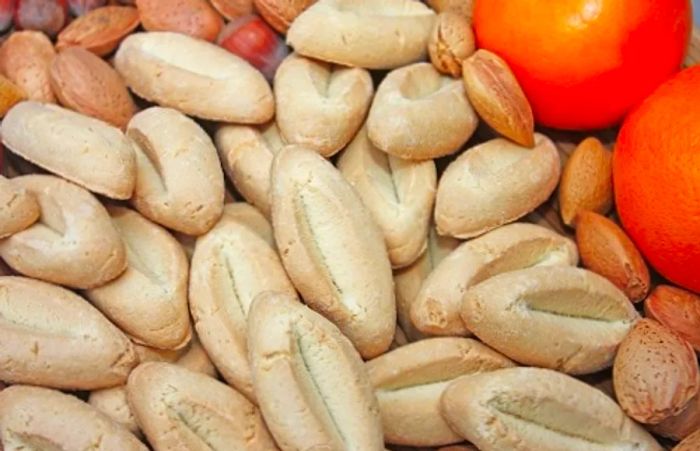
<point x="53" y="337"/>
<point x="39" y="418"/>
<point x="332" y="249"/>
<point x="73" y="244"/>
<point x="303" y="364"/>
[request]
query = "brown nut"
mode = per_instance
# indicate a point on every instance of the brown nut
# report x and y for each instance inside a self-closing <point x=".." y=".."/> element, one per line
<point x="100" y="30"/>
<point x="690" y="443"/>
<point x="678" y="427"/>
<point x="655" y="373"/>
<point x="538" y="409"/>
<point x="87" y="84"/>
<point x="43" y="419"/>
<point x="53" y="337"/>
<point x="233" y="9"/>
<point x="281" y="13"/>
<point x="10" y="95"/>
<point x="25" y="58"/>
<point x="19" y="209"/>
<point x="558" y="317"/>
<point x="677" y="309"/>
<point x="586" y="181"/>
<point x="451" y="42"/>
<point x="496" y="95"/>
<point x="195" y="18"/>
<point x="409" y="381"/>
<point x="608" y="251"/>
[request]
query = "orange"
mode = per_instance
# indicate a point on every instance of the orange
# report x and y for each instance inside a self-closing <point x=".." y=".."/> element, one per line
<point x="656" y="173"/>
<point x="585" y="63"/>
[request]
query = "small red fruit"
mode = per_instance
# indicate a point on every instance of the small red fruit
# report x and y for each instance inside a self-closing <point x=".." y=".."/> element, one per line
<point x="80" y="7"/>
<point x="252" y="39"/>
<point x="48" y="16"/>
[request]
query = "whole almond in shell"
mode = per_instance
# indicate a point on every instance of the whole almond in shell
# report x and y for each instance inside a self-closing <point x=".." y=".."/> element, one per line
<point x="496" y="95"/>
<point x="677" y="309"/>
<point x="586" y="181"/>
<point x="678" y="427"/>
<point x="281" y="13"/>
<point x="10" y="95"/>
<point x="87" y="84"/>
<point x="608" y="251"/>
<point x="25" y="58"/>
<point x="101" y="30"/>
<point x="655" y="373"/>
<point x="451" y="42"/>
<point x="195" y="18"/>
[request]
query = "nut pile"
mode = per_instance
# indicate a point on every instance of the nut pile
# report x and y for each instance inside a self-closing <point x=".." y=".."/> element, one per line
<point x="213" y="241"/>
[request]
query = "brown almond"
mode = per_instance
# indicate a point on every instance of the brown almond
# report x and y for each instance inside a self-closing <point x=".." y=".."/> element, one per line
<point x="655" y="373"/>
<point x="101" y="30"/>
<point x="195" y="18"/>
<point x="87" y="84"/>
<point x="451" y="42"/>
<point x="233" y="9"/>
<point x="462" y="7"/>
<point x="682" y="425"/>
<point x="677" y="309"/>
<point x="497" y="96"/>
<point x="25" y="59"/>
<point x="586" y="181"/>
<point x="10" y="94"/>
<point x="691" y="443"/>
<point x="281" y="13"/>
<point x="608" y="251"/>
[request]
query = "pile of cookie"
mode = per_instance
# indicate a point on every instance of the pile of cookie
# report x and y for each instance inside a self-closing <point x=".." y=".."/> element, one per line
<point x="344" y="260"/>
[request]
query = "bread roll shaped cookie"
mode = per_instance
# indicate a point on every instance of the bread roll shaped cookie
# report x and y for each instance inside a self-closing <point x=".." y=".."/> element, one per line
<point x="311" y="384"/>
<point x="195" y="77"/>
<point x="18" y="208"/>
<point x="495" y="183"/>
<point x="436" y="308"/>
<point x="74" y="243"/>
<point x="408" y="280"/>
<point x="559" y="317"/>
<point x="375" y="34"/>
<point x="332" y="249"/>
<point x="179" y="182"/>
<point x="418" y="114"/>
<point x="82" y="149"/>
<point x="179" y="409"/>
<point x="55" y="338"/>
<point x="246" y="153"/>
<point x="409" y="381"/>
<point x="399" y="194"/>
<point x="149" y="300"/>
<point x="231" y="265"/>
<point x="42" y="419"/>
<point x="524" y="409"/>
<point x="318" y="105"/>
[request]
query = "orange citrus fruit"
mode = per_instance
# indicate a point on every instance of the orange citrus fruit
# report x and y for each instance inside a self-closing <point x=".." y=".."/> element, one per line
<point x="585" y="63"/>
<point x="656" y="172"/>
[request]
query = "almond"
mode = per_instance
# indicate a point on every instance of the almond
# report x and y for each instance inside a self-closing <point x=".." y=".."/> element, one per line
<point x="586" y="181"/>
<point x="101" y="30"/>
<point x="498" y="98"/>
<point x="691" y="443"/>
<point x="655" y="373"/>
<point x="233" y="9"/>
<point x="281" y="13"/>
<point x="461" y="7"/>
<point x="677" y="309"/>
<point x="608" y="251"/>
<point x="451" y="42"/>
<point x="682" y="425"/>
<point x="25" y="59"/>
<point x="10" y="94"/>
<point x="87" y="84"/>
<point x="195" y="18"/>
